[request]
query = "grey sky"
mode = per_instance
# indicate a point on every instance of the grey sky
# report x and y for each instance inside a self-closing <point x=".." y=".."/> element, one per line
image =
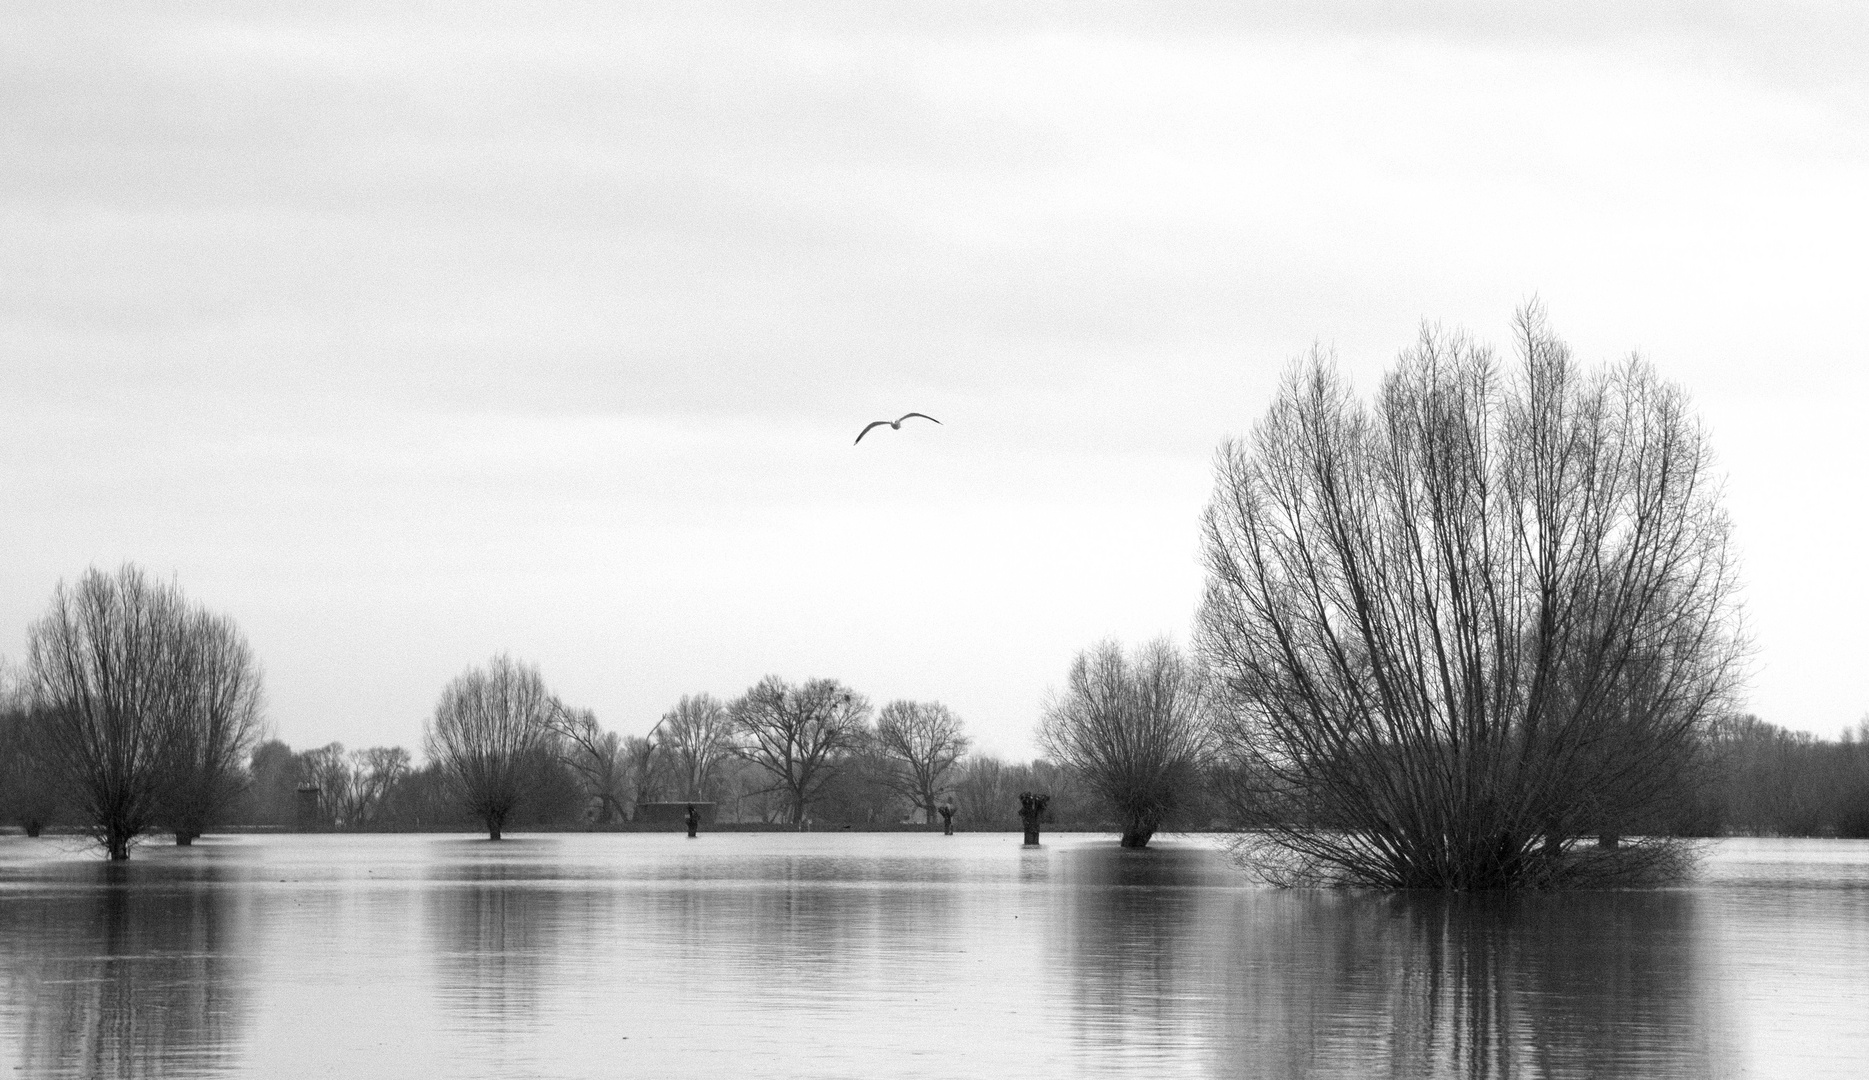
<point x="410" y="333"/>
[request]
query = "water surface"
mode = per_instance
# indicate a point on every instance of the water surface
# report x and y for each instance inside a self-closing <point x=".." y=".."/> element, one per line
<point x="754" y="955"/>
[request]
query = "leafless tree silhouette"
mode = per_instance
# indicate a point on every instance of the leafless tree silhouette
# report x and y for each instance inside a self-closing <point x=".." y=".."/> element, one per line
<point x="1135" y="726"/>
<point x="697" y="734"/>
<point x="599" y="758"/>
<point x="1460" y="627"/>
<point x="218" y="726"/>
<point x="31" y="782"/>
<point x="141" y="692"/>
<point x="488" y="728"/>
<point x="799" y="734"/>
<point x="921" y="741"/>
<point x="373" y="776"/>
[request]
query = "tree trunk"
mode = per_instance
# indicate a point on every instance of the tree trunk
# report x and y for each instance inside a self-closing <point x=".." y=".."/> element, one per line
<point x="494" y="821"/>
<point x="1609" y="841"/>
<point x="32" y="828"/>
<point x="1139" y="828"/>
<point x="184" y="838"/>
<point x="117" y="842"/>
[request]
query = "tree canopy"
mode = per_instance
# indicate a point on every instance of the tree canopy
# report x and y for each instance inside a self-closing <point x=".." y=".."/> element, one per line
<point x="1489" y="611"/>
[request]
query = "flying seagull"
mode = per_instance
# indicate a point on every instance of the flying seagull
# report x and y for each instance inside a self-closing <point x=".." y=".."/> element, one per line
<point x="895" y="425"/>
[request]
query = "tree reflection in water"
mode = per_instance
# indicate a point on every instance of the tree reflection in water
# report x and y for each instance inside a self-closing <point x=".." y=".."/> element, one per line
<point x="495" y="925"/>
<point x="124" y="970"/>
<point x="1583" y="984"/>
<point x="1175" y="970"/>
<point x="1144" y="1003"/>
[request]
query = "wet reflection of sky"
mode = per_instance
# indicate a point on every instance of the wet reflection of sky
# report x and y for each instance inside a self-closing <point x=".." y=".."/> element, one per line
<point x="904" y="955"/>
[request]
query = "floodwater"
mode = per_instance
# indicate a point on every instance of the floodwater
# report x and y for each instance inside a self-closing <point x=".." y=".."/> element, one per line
<point x="893" y="954"/>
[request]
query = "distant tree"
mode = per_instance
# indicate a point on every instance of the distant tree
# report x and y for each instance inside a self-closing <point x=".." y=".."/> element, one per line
<point x="423" y="799"/>
<point x="326" y="768"/>
<point x="645" y="768"/>
<point x="203" y="766"/>
<point x="1072" y="800"/>
<point x="746" y="793"/>
<point x="373" y="776"/>
<point x="1774" y="782"/>
<point x="799" y="734"/>
<point x="986" y="793"/>
<point x="553" y="793"/>
<point x="109" y="664"/>
<point x="863" y="790"/>
<point x="271" y="794"/>
<point x="1136" y="727"/>
<point x="599" y="758"/>
<point x="697" y="735"/>
<point x="31" y="783"/>
<point x="484" y="734"/>
<point x="1488" y="613"/>
<point x="920" y="742"/>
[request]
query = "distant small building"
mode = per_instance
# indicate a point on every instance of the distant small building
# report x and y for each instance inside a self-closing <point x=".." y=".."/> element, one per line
<point x="308" y="817"/>
<point x="673" y="813"/>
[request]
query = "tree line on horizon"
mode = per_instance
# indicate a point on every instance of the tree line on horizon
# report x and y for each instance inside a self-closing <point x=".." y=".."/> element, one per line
<point x="140" y="712"/>
<point x="1479" y="631"/>
<point x="1132" y="722"/>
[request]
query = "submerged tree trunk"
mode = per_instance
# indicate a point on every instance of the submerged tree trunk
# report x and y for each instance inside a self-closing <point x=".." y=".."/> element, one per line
<point x="1139" y="827"/>
<point x="1031" y="812"/>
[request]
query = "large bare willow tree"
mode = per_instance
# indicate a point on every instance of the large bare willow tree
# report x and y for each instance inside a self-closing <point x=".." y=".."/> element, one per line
<point x="1136" y="727"/>
<point x="489" y="730"/>
<point x="1458" y="628"/>
<point x="150" y="706"/>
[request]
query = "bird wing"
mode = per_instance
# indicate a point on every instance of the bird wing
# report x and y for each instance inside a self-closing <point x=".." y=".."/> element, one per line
<point x="923" y="415"/>
<point x="866" y="431"/>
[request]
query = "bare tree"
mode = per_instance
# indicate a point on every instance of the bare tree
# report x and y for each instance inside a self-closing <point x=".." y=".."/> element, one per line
<point x="1456" y="629"/>
<point x="799" y="734"/>
<point x="31" y="785"/>
<point x="486" y="733"/>
<point x="645" y="768"/>
<point x="218" y="725"/>
<point x="328" y="769"/>
<point x="1135" y="727"/>
<point x="987" y="792"/>
<point x="106" y="662"/>
<point x="373" y="776"/>
<point x="747" y="794"/>
<point x="600" y="758"/>
<point x="862" y="791"/>
<point x="921" y="741"/>
<point x="697" y="735"/>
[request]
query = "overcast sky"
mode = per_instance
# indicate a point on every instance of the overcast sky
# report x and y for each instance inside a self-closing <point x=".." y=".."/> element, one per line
<point x="406" y="334"/>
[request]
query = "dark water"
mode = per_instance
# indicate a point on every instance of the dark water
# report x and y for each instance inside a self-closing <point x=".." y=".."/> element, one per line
<point x="902" y="955"/>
